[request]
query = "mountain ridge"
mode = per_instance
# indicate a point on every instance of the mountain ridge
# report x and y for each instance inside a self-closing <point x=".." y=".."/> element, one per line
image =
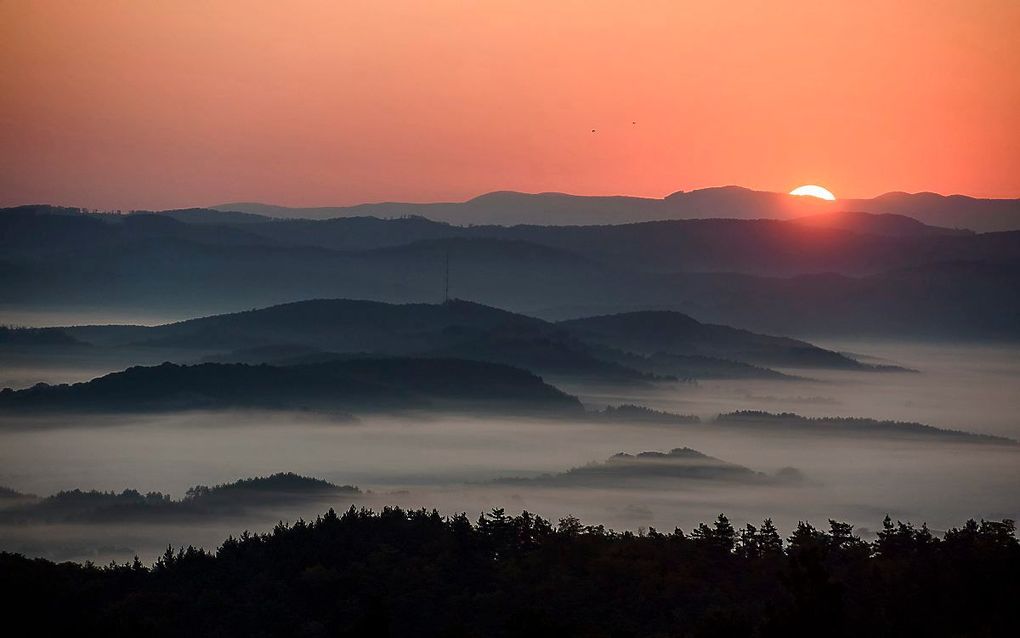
<point x="954" y="211"/>
<point x="752" y="274"/>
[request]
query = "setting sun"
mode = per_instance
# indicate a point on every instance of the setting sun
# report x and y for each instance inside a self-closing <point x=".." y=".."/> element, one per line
<point x="811" y="190"/>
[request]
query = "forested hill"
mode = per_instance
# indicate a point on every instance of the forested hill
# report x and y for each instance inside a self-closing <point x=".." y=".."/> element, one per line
<point x="356" y="385"/>
<point x="652" y="332"/>
<point x="665" y="343"/>
<point x="201" y="502"/>
<point x="754" y="420"/>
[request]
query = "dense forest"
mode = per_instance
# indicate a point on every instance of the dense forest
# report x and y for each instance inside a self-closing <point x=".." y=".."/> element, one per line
<point x="418" y="573"/>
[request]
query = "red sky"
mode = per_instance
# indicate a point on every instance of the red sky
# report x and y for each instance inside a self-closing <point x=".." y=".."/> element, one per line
<point x="146" y="104"/>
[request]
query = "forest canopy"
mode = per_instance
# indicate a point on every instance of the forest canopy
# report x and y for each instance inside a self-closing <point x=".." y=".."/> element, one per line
<point x="416" y="572"/>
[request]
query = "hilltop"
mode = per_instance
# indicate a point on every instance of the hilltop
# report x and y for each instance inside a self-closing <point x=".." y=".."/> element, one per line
<point x="678" y="464"/>
<point x="352" y="385"/>
<point x="129" y="505"/>
<point x="624" y="347"/>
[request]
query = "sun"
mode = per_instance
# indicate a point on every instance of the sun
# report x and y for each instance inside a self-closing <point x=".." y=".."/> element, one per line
<point x="810" y="190"/>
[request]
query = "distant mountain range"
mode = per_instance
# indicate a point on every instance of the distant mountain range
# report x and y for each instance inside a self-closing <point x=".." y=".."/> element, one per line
<point x="731" y="202"/>
<point x="833" y="273"/>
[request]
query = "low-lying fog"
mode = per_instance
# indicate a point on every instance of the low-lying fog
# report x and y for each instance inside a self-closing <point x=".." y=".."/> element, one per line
<point x="448" y="462"/>
<point x="967" y="387"/>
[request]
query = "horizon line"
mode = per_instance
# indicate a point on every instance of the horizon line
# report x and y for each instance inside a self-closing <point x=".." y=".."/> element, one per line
<point x="484" y="194"/>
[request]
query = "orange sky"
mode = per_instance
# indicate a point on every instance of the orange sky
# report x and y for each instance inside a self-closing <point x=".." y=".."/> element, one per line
<point x="152" y="104"/>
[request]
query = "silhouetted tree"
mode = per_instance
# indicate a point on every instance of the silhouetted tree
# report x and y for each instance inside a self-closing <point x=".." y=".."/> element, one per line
<point x="403" y="573"/>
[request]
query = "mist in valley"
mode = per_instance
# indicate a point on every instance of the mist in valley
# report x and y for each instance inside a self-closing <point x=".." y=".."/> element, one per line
<point x="455" y="462"/>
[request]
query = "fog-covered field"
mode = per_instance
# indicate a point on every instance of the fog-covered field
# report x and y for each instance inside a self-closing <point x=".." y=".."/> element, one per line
<point x="450" y="462"/>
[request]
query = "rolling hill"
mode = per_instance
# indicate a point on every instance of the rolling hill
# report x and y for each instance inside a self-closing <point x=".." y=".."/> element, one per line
<point x="129" y="505"/>
<point x="626" y="347"/>
<point x="673" y="333"/>
<point x="352" y="385"/>
<point x="679" y="464"/>
<point x="769" y="423"/>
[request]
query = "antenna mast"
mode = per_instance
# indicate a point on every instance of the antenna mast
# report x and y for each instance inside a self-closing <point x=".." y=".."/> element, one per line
<point x="446" y="289"/>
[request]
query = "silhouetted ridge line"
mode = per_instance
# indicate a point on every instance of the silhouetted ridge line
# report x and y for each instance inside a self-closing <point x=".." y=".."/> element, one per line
<point x="659" y="333"/>
<point x="628" y="412"/>
<point x="630" y="347"/>
<point x="357" y="384"/>
<point x="200" y="501"/>
<point x="16" y="336"/>
<point x="852" y="425"/>
<point x="512" y="207"/>
<point x="645" y="468"/>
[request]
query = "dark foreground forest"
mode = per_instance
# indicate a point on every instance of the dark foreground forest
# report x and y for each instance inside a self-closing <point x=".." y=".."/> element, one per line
<point x="416" y="573"/>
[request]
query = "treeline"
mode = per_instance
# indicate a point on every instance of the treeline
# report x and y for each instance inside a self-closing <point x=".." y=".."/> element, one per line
<point x="853" y="425"/>
<point x="628" y="412"/>
<point x="418" y="573"/>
